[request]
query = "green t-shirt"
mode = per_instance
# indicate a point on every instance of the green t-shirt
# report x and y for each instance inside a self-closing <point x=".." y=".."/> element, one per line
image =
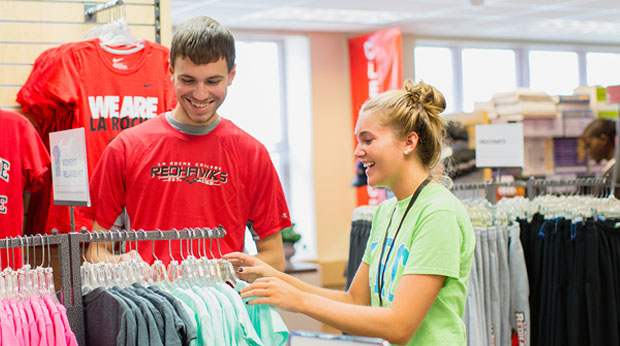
<point x="436" y="238"/>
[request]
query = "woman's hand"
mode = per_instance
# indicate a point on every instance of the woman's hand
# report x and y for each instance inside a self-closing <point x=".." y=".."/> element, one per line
<point x="276" y="292"/>
<point x="248" y="267"/>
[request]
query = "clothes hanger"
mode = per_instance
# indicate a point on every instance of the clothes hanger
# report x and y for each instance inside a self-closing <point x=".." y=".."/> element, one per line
<point x="116" y="33"/>
<point x="158" y="268"/>
<point x="225" y="265"/>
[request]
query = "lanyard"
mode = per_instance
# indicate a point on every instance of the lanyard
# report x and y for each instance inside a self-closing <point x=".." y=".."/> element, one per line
<point x="381" y="273"/>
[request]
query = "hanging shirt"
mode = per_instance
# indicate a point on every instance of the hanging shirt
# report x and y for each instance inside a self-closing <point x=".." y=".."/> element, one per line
<point x="142" y="337"/>
<point x="59" y="327"/>
<point x="38" y="315"/>
<point x="246" y="329"/>
<point x="266" y="320"/>
<point x="185" y="313"/>
<point x="23" y="161"/>
<point x="32" y="323"/>
<point x="7" y="325"/>
<point x="69" y="335"/>
<point x="17" y="320"/>
<point x="103" y="92"/>
<point x="206" y="323"/>
<point x="172" y="324"/>
<point x="146" y="308"/>
<point x="101" y="308"/>
<point x="230" y="321"/>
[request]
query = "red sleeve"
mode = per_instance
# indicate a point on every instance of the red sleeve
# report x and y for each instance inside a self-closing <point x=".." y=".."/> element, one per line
<point x="63" y="82"/>
<point x="171" y="98"/>
<point x="36" y="159"/>
<point x="107" y="185"/>
<point x="268" y="212"/>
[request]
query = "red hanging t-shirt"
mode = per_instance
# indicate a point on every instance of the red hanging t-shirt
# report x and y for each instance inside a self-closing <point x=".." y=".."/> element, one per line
<point x="108" y="93"/>
<point x="23" y="161"/>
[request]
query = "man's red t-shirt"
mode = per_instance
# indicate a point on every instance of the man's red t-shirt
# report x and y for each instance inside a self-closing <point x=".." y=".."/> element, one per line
<point x="169" y="179"/>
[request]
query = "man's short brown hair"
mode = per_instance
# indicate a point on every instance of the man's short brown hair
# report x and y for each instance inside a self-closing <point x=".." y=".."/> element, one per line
<point x="204" y="41"/>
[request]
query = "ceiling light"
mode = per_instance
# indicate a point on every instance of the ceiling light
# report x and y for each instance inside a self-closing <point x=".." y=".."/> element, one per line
<point x="331" y="15"/>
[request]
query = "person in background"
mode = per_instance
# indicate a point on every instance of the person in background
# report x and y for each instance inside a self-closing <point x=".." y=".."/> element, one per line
<point x="411" y="286"/>
<point x="191" y="167"/>
<point x="599" y="139"/>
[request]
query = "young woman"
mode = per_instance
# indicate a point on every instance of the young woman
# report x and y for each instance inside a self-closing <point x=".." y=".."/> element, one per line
<point x="411" y="286"/>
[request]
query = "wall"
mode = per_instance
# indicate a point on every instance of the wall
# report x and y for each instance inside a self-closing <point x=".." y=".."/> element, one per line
<point x="332" y="152"/>
<point x="28" y="27"/>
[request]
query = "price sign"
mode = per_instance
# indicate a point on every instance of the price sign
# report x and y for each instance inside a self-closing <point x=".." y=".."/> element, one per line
<point x="69" y="167"/>
<point x="499" y="145"/>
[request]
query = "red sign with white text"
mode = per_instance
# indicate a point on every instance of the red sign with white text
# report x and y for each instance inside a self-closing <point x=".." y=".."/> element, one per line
<point x="376" y="64"/>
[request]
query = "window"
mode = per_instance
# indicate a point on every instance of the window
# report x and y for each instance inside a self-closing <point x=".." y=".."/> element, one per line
<point x="433" y="65"/>
<point x="470" y="72"/>
<point x="602" y="68"/>
<point x="486" y="72"/>
<point x="259" y="102"/>
<point x="554" y="72"/>
<point x="254" y="100"/>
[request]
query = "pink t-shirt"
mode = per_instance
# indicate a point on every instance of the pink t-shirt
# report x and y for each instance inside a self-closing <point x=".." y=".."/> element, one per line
<point x="44" y="330"/>
<point x="59" y="327"/>
<point x="6" y="325"/>
<point x="32" y="323"/>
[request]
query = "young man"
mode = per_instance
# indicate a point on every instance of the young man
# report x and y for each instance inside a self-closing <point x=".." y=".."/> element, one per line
<point x="190" y="167"/>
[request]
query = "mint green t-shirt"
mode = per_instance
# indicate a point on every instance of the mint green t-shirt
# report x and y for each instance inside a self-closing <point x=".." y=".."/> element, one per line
<point x="436" y="238"/>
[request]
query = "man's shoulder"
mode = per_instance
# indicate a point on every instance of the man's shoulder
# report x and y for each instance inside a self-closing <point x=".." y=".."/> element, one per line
<point x="236" y="135"/>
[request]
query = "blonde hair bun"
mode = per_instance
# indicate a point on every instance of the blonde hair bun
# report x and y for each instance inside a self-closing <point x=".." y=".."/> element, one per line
<point x="427" y="96"/>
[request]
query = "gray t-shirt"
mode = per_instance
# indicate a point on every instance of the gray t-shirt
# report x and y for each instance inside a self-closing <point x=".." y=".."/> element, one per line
<point x="172" y="324"/>
<point x="190" y="333"/>
<point x="102" y="308"/>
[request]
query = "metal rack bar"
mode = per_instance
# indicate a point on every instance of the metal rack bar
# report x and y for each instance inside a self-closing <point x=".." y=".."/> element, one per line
<point x="91" y="9"/>
<point x="77" y="239"/>
<point x="157" y="8"/>
<point x="531" y="185"/>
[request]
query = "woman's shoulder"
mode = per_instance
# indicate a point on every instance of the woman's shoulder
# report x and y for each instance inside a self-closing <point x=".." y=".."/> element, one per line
<point x="437" y="197"/>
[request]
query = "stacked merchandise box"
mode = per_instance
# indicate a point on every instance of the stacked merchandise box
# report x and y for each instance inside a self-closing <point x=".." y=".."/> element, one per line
<point x="598" y="101"/>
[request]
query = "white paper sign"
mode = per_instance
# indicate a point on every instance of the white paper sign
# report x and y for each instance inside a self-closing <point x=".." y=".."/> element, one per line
<point x="69" y="167"/>
<point x="304" y="338"/>
<point x="499" y="145"/>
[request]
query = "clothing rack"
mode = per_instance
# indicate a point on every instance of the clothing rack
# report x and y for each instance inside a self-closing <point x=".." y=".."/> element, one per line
<point x="74" y="313"/>
<point x="531" y="185"/>
<point x="78" y="239"/>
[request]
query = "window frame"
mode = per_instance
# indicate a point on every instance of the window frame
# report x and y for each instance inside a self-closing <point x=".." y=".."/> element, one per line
<point x="521" y="50"/>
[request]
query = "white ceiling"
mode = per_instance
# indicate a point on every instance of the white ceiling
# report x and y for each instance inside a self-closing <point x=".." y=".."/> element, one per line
<point x="581" y="21"/>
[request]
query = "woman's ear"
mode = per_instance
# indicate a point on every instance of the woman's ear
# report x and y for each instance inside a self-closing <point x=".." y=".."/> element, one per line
<point x="411" y="142"/>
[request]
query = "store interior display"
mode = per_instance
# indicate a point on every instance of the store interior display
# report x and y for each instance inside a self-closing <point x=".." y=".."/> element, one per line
<point x="546" y="267"/>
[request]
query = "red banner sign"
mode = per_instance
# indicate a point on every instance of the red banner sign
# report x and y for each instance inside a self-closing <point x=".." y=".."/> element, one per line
<point x="376" y="64"/>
